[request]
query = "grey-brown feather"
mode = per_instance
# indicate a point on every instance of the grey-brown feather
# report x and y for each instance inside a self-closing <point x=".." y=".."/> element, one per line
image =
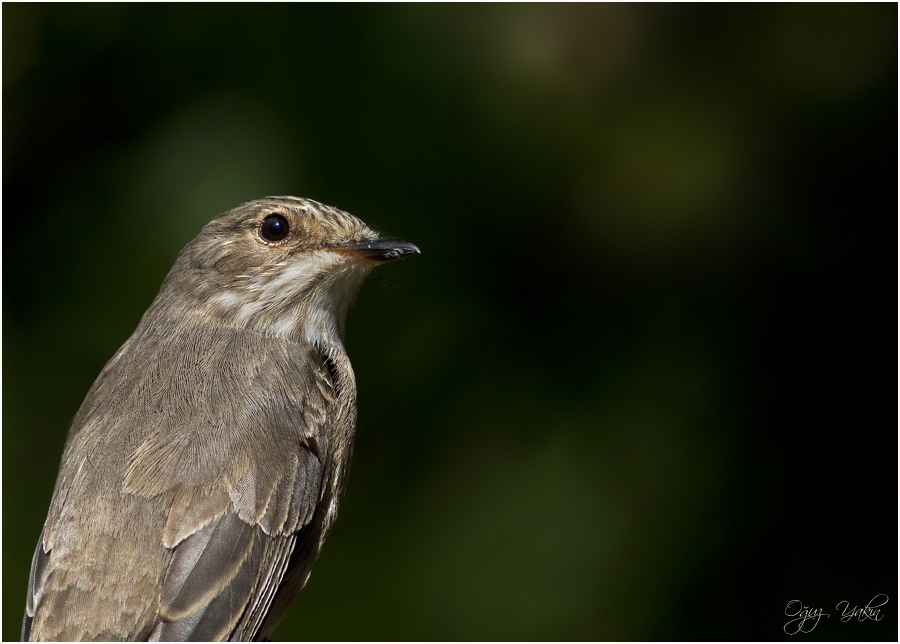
<point x="203" y="470"/>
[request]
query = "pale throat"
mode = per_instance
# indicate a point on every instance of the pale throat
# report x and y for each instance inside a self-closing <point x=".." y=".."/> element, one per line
<point x="307" y="299"/>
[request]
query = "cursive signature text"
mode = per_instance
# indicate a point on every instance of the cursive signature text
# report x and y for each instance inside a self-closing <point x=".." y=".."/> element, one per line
<point x="805" y="618"/>
<point x="802" y="614"/>
<point x="869" y="611"/>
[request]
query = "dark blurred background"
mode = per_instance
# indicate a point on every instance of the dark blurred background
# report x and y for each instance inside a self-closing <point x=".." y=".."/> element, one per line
<point x="642" y="382"/>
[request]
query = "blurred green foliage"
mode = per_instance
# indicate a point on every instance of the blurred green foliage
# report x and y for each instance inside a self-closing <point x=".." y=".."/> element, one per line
<point x="634" y="386"/>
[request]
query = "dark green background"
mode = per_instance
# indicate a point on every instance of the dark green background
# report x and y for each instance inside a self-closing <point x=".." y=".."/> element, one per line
<point x="641" y="383"/>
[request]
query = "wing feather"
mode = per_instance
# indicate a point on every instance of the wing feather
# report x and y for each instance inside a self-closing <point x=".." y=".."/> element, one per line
<point x="214" y="618"/>
<point x="203" y="565"/>
<point x="222" y="578"/>
<point x="35" y="583"/>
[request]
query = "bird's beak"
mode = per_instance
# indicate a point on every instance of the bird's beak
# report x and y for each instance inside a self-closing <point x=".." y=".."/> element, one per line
<point x="384" y="249"/>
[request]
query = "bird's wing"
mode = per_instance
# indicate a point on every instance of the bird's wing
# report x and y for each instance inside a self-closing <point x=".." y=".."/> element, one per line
<point x="252" y="506"/>
<point x="222" y="579"/>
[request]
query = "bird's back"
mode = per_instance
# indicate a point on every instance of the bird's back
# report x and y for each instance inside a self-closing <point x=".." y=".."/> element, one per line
<point x="184" y="488"/>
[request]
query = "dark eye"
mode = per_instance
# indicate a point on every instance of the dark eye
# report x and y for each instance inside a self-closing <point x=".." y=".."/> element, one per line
<point x="273" y="228"/>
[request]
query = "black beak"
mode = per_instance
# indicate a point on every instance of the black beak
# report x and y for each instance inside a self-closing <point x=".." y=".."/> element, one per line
<point x="384" y="249"/>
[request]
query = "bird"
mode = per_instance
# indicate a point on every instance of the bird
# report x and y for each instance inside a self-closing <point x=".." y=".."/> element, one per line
<point x="204" y="469"/>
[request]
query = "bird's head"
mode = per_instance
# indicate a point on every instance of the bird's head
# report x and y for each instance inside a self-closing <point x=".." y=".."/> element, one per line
<point x="284" y="266"/>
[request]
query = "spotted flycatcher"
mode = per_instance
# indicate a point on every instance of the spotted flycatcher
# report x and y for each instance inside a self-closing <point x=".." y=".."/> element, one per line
<point x="203" y="471"/>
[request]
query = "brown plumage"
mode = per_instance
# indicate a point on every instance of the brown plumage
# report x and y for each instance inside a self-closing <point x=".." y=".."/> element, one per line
<point x="204" y="468"/>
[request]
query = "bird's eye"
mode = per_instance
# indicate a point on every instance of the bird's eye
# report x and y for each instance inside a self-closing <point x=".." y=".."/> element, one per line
<point x="273" y="228"/>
